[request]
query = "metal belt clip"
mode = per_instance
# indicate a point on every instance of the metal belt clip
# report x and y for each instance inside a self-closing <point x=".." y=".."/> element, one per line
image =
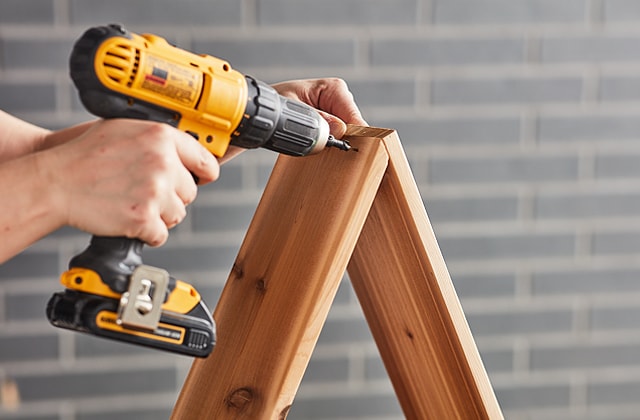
<point x="141" y="305"/>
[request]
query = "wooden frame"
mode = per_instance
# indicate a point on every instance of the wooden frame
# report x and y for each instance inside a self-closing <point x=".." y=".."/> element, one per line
<point x="318" y="215"/>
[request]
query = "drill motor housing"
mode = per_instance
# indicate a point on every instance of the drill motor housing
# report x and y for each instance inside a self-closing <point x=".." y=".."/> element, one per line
<point x="120" y="74"/>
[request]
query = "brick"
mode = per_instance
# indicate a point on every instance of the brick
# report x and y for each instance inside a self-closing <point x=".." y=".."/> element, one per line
<point x="383" y="92"/>
<point x="26" y="12"/>
<point x="520" y="321"/>
<point x="591" y="204"/>
<point x="231" y="179"/>
<point x="197" y="12"/>
<point x="495" y="361"/>
<point x="221" y="218"/>
<point x="374" y="369"/>
<point x="590" y="281"/>
<point x="619" y="392"/>
<point x="529" y="396"/>
<point x="529" y="168"/>
<point x="19" y="97"/>
<point x="620" y="10"/>
<point x="507" y="246"/>
<point x="30" y="264"/>
<point x="31" y="416"/>
<point x="345" y="293"/>
<point x="335" y="369"/>
<point x="617" y="166"/>
<point x="97" y="384"/>
<point x="345" y="330"/>
<point x="618" y="317"/>
<point x="50" y="54"/>
<point x="24" y="307"/>
<point x="609" y="243"/>
<point x="583" y="356"/>
<point x="443" y="51"/>
<point x="471" y="209"/>
<point x="593" y="49"/>
<point x="505" y="90"/>
<point x="130" y="414"/>
<point x="297" y="53"/>
<point x="337" y="12"/>
<point x="484" y="285"/>
<point x="263" y="172"/>
<point x="619" y="89"/>
<point x="454" y="131"/>
<point x="191" y="258"/>
<point x="588" y="127"/>
<point x="345" y="406"/>
<point x="509" y="11"/>
<point x="25" y="348"/>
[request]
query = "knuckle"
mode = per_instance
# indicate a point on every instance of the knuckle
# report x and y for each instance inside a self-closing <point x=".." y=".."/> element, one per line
<point x="139" y="214"/>
<point x="190" y="197"/>
<point x="158" y="130"/>
<point x="158" y="238"/>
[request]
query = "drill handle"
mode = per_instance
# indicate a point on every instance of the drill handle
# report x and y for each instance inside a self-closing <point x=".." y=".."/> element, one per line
<point x="113" y="257"/>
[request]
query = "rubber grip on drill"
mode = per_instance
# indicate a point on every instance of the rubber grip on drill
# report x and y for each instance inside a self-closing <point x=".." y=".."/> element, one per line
<point x="94" y="95"/>
<point x="280" y="124"/>
<point x="113" y="257"/>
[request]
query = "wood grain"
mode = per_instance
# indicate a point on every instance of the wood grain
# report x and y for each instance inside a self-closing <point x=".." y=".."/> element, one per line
<point x="406" y="293"/>
<point x="283" y="282"/>
<point x="316" y="214"/>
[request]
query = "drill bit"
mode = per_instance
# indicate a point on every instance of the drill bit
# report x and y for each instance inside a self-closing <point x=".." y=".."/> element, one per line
<point x="340" y="144"/>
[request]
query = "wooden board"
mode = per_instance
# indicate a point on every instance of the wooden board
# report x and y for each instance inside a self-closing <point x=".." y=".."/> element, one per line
<point x="280" y="290"/>
<point x="407" y="296"/>
<point x="283" y="282"/>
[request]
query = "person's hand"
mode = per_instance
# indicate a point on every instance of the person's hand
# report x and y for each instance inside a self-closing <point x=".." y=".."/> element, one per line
<point x="330" y="96"/>
<point x="126" y="178"/>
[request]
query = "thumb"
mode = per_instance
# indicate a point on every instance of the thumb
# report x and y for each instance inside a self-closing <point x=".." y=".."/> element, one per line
<point x="337" y="127"/>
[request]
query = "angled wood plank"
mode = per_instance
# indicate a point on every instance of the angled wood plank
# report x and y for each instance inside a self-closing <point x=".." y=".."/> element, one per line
<point x="283" y="282"/>
<point x="405" y="290"/>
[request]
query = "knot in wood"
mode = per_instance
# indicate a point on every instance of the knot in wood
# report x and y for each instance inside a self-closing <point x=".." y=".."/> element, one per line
<point x="261" y="285"/>
<point x="239" y="398"/>
<point x="237" y="270"/>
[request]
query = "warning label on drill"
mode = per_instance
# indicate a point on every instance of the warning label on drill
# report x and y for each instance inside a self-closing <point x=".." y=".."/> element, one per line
<point x="164" y="332"/>
<point x="177" y="83"/>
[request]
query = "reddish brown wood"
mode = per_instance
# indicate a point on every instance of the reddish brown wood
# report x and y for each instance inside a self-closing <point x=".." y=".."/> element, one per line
<point x="276" y="299"/>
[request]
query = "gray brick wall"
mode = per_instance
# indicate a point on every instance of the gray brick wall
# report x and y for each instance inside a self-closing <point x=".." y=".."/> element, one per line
<point x="521" y="121"/>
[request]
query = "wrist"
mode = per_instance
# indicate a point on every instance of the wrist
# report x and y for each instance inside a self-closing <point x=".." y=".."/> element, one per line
<point x="52" y="191"/>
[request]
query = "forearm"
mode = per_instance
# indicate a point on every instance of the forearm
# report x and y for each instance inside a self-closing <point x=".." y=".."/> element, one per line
<point x="18" y="137"/>
<point x="28" y="211"/>
<point x="56" y="138"/>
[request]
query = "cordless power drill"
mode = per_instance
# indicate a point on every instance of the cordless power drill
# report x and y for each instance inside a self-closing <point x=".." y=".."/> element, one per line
<point x="109" y="292"/>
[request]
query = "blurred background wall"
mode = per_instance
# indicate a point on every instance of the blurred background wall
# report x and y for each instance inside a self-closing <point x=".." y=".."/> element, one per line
<point x="521" y="120"/>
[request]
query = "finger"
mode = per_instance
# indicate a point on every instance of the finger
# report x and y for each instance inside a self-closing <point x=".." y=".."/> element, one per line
<point x="340" y="103"/>
<point x="156" y="237"/>
<point x="186" y="188"/>
<point x="337" y="127"/>
<point x="197" y="159"/>
<point x="174" y="212"/>
<point x="154" y="232"/>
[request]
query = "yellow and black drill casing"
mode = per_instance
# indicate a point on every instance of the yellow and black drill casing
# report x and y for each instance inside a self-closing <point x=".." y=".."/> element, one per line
<point x="126" y="75"/>
<point x="95" y="282"/>
<point x="120" y="74"/>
